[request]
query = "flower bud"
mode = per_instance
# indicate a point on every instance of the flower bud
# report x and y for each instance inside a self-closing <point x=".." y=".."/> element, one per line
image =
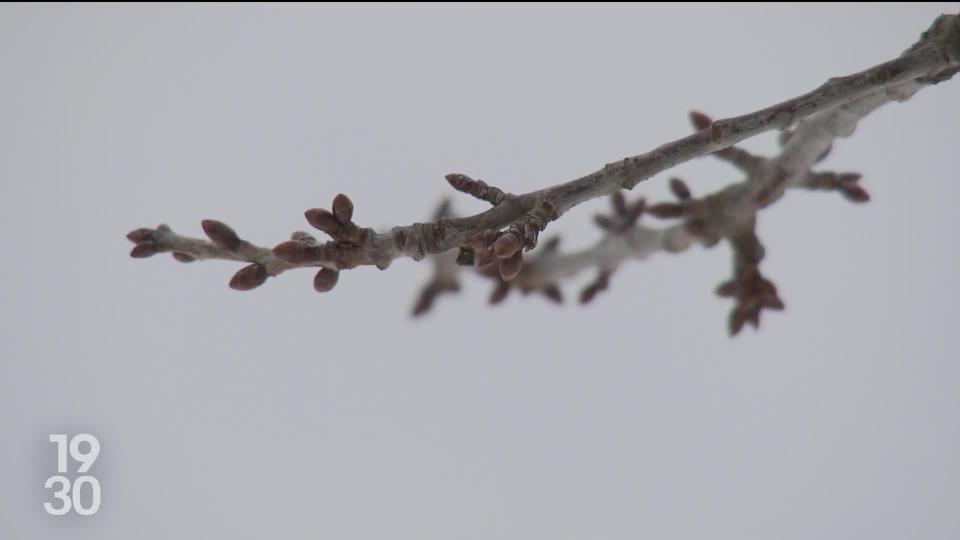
<point x="666" y="210"/>
<point x="221" y="234"/>
<point x="699" y="120"/>
<point x="772" y="302"/>
<point x="499" y="292"/>
<point x="509" y="268"/>
<point x="249" y="277"/>
<point x="726" y="289"/>
<point x="322" y="219"/>
<point x="302" y="236"/>
<point x="736" y="322"/>
<point x="325" y="279"/>
<point x="619" y="202"/>
<point x="506" y="246"/>
<point x="553" y="293"/>
<point x="342" y="208"/>
<point x="603" y="222"/>
<point x="680" y="189"/>
<point x="635" y="210"/>
<point x="144" y="250"/>
<point x="140" y="235"/>
<point x="459" y="182"/>
<point x="481" y="241"/>
<point x="483" y="258"/>
<point x="855" y="193"/>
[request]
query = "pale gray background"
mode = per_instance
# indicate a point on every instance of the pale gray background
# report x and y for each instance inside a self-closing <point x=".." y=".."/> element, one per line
<point x="284" y="413"/>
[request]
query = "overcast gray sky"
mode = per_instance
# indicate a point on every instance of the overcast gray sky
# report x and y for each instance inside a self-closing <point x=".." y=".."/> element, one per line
<point x="284" y="413"/>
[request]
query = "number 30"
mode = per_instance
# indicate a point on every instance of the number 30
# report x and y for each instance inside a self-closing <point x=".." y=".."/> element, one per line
<point x="74" y="502"/>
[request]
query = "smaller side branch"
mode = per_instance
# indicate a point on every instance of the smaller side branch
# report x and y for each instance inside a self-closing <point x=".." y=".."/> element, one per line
<point x="477" y="188"/>
<point x="752" y="291"/>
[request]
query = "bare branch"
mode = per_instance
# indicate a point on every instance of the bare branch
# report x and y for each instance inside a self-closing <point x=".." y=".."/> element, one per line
<point x="493" y="241"/>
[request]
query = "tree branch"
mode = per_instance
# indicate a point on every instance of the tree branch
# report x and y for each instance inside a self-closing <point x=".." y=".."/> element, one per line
<point x="494" y="240"/>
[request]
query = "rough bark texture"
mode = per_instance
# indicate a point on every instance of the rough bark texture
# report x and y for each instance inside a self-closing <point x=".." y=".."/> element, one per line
<point x="494" y="241"/>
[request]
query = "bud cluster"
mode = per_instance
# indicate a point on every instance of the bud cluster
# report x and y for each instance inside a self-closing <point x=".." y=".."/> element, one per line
<point x="749" y="288"/>
<point x="341" y="252"/>
<point x="498" y="249"/>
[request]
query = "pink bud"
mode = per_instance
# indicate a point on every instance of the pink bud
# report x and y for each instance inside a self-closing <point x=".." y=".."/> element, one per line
<point x="700" y="120"/>
<point x="506" y="246"/>
<point x="553" y="293"/>
<point x="183" y="257"/>
<point x="603" y="222"/>
<point x="322" y="219"/>
<point x="459" y="182"/>
<point x="509" y="268"/>
<point x="588" y="293"/>
<point x="619" y="202"/>
<point x="325" y="279"/>
<point x="221" y="234"/>
<point x="140" y="235"/>
<point x="855" y="193"/>
<point x="499" y="292"/>
<point x="480" y="241"/>
<point x="249" y="277"/>
<point x="342" y="208"/>
<point x="666" y="210"/>
<point x="302" y="236"/>
<point x="726" y="289"/>
<point x="144" y="250"/>
<point x="680" y="189"/>
<point x="635" y="210"/>
<point x="736" y="322"/>
<point x="772" y="302"/>
<point x="483" y="258"/>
